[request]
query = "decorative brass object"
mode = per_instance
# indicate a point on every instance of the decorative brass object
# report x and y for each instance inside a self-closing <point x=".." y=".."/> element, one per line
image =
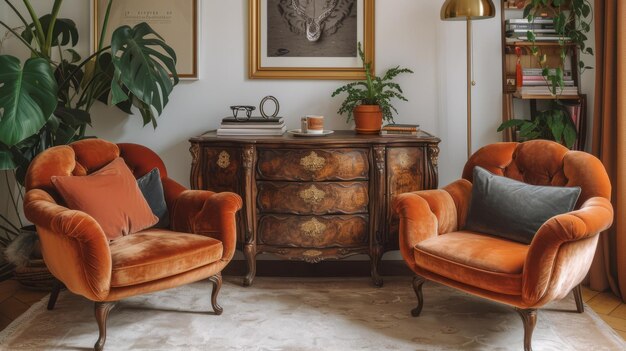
<point x="223" y="160"/>
<point x="404" y="160"/>
<point x="312" y="253"/>
<point x="313" y="162"/>
<point x="312" y="228"/>
<point x="312" y="195"/>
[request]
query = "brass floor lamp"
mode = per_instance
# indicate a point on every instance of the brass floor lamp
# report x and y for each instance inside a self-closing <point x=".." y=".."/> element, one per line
<point x="468" y="10"/>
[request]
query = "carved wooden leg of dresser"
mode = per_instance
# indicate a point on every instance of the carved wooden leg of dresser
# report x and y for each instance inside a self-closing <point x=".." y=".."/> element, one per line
<point x="249" y="251"/>
<point x="376" y="253"/>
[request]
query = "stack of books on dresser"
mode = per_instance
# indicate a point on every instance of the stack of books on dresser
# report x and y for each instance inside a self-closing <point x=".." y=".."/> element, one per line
<point x="252" y="126"/>
<point x="542" y="27"/>
<point x="534" y="83"/>
<point x="392" y="129"/>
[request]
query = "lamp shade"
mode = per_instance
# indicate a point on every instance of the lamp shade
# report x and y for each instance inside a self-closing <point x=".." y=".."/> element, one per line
<point x="461" y="10"/>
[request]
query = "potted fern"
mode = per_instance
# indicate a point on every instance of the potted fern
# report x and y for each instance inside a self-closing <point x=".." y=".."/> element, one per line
<point x="368" y="101"/>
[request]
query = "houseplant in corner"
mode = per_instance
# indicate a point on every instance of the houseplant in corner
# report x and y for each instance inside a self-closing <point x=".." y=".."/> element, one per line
<point x="46" y="100"/>
<point x="572" y="22"/>
<point x="368" y="101"/>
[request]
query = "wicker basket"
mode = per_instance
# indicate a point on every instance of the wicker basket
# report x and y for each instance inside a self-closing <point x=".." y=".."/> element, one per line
<point x="35" y="275"/>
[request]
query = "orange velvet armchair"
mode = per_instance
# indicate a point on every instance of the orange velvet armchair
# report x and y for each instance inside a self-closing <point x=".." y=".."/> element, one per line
<point x="436" y="247"/>
<point x="199" y="243"/>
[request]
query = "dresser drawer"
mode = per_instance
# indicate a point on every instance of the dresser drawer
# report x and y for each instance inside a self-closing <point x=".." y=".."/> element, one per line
<point x="313" y="165"/>
<point x="313" y="232"/>
<point x="313" y="198"/>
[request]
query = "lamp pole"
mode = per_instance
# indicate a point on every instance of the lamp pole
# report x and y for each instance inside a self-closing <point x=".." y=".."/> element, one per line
<point x="469" y="87"/>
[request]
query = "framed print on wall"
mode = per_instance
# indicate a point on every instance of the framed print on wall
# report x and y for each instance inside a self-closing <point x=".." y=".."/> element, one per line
<point x="309" y="39"/>
<point x="176" y="21"/>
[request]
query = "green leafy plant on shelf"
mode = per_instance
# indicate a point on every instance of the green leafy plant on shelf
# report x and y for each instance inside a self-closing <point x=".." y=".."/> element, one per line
<point x="373" y="90"/>
<point x="572" y="22"/>
<point x="46" y="100"/>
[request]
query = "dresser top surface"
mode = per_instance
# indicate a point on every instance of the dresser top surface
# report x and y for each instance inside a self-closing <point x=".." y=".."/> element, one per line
<point x="339" y="136"/>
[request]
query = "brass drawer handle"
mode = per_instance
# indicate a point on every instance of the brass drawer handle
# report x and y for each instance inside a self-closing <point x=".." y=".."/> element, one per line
<point x="312" y="195"/>
<point x="312" y="228"/>
<point x="223" y="160"/>
<point x="312" y="162"/>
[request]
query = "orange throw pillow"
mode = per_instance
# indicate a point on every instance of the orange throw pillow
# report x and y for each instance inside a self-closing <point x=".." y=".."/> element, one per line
<point x="111" y="196"/>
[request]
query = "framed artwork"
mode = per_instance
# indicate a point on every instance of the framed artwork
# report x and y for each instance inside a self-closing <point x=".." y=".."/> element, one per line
<point x="309" y="39"/>
<point x="176" y="21"/>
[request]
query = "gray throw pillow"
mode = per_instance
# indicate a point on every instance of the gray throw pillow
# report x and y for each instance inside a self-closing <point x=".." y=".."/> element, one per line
<point x="515" y="210"/>
<point x="152" y="189"/>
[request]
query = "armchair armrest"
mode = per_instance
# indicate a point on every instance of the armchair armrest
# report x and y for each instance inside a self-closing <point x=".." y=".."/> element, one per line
<point x="562" y="250"/>
<point x="208" y="213"/>
<point x="428" y="213"/>
<point x="74" y="246"/>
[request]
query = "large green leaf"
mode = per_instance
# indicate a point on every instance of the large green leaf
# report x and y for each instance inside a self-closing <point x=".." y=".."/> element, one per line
<point x="143" y="62"/>
<point x="28" y="96"/>
<point x="64" y="30"/>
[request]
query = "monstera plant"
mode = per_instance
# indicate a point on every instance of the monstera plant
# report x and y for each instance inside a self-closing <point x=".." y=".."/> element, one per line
<point x="46" y="100"/>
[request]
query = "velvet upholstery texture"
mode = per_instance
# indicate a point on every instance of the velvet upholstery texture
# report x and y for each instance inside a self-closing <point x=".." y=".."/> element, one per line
<point x="435" y="245"/>
<point x="515" y="210"/>
<point x="121" y="208"/>
<point x="199" y="243"/>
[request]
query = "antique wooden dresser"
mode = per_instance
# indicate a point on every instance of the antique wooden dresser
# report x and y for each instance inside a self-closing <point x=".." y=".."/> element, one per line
<point x="315" y="198"/>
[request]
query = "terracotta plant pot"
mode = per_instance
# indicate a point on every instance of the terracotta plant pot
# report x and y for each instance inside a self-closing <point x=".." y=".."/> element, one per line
<point x="368" y="119"/>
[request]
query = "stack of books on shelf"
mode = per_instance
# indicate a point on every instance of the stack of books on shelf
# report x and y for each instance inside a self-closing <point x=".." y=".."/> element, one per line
<point x="392" y="129"/>
<point x="542" y="27"/>
<point x="252" y="126"/>
<point x="534" y="83"/>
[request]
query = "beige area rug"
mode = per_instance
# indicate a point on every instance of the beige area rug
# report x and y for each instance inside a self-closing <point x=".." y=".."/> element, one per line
<point x="306" y="314"/>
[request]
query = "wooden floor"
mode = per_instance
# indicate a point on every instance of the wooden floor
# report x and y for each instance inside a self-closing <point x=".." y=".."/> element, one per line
<point x="15" y="300"/>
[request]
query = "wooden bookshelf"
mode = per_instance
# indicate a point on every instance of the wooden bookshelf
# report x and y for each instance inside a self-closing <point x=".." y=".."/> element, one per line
<point x="512" y="100"/>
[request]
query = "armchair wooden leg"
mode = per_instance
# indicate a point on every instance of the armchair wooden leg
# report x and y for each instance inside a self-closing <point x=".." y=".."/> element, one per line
<point x="417" y="286"/>
<point x="54" y="294"/>
<point x="217" y="284"/>
<point x="102" y="310"/>
<point x="529" y="318"/>
<point x="578" y="296"/>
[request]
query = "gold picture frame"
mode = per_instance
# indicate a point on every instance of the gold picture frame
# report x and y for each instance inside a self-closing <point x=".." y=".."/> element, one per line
<point x="176" y="21"/>
<point x="259" y="69"/>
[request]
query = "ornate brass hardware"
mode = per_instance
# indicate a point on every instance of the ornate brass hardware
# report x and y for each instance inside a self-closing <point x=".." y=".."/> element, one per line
<point x="312" y="228"/>
<point x="404" y="160"/>
<point x="223" y="160"/>
<point x="312" y="253"/>
<point x="313" y="162"/>
<point x="312" y="195"/>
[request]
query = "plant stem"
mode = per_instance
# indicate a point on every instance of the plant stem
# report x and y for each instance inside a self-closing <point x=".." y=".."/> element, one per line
<point x="35" y="52"/>
<point x="82" y="64"/>
<point x="55" y="12"/>
<point x="13" y="202"/>
<point x="38" y="28"/>
<point x="17" y="13"/>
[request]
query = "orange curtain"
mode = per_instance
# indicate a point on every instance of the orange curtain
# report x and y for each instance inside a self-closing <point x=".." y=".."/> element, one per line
<point x="609" y="139"/>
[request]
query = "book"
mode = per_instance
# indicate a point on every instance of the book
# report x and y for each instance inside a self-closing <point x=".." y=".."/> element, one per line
<point x="537" y="20"/>
<point x="399" y="133"/>
<point x="528" y="26"/>
<point x="525" y="31"/>
<point x="401" y="127"/>
<point x="250" y="131"/>
<point x="238" y="125"/>
<point x="544" y="82"/>
<point x="252" y="120"/>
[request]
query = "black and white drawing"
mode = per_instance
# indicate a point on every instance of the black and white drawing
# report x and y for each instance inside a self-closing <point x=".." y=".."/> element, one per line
<point x="312" y="28"/>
